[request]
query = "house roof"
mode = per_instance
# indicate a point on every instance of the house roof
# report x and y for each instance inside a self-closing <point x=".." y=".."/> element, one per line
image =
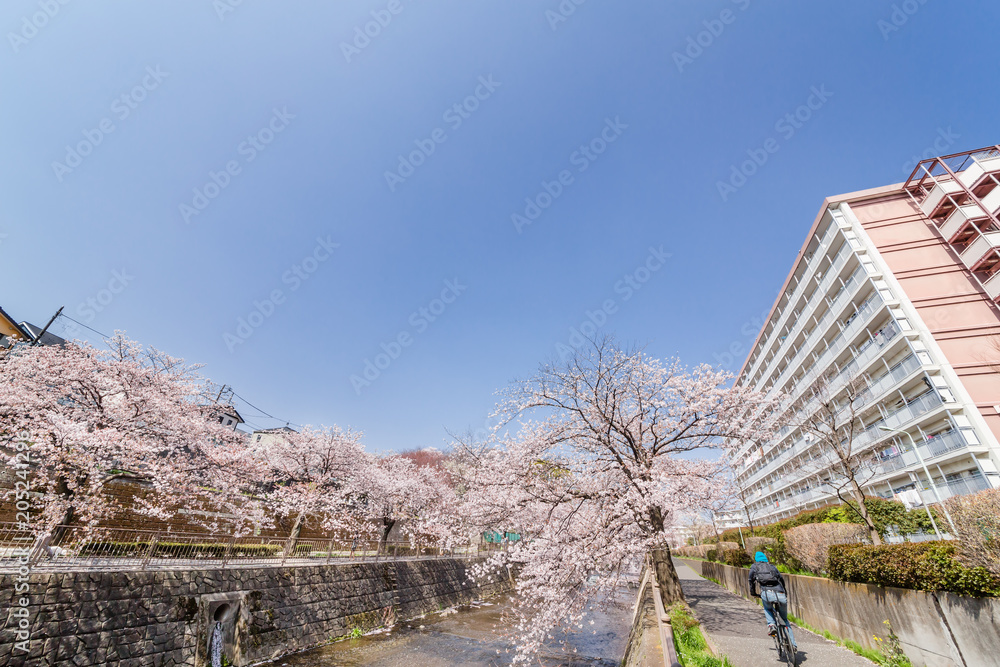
<point x="12" y="323"/>
<point x="48" y="338"/>
<point x="231" y="411"/>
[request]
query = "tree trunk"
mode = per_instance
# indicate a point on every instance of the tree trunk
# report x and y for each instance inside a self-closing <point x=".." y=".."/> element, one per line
<point x="749" y="520"/>
<point x="59" y="530"/>
<point x="859" y="497"/>
<point x="383" y="539"/>
<point x="293" y="537"/>
<point x="666" y="576"/>
<point x="663" y="566"/>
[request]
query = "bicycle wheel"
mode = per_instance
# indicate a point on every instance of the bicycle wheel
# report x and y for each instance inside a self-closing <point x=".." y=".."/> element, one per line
<point x="791" y="655"/>
<point x="778" y="646"/>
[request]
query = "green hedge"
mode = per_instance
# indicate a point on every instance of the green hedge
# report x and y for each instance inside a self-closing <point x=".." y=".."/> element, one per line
<point x="926" y="566"/>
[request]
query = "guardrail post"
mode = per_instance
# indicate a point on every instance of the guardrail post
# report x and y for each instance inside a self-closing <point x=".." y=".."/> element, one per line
<point x="150" y="550"/>
<point x="229" y="551"/>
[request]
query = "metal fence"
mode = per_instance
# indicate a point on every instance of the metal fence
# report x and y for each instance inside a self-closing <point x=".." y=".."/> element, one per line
<point x="77" y="548"/>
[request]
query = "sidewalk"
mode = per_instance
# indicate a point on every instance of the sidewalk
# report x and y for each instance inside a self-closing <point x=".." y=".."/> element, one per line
<point x="736" y="628"/>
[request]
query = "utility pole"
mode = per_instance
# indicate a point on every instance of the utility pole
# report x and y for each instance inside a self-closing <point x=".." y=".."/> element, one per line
<point x="46" y="327"/>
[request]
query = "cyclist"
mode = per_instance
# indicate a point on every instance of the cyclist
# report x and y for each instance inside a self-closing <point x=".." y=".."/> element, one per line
<point x="772" y="590"/>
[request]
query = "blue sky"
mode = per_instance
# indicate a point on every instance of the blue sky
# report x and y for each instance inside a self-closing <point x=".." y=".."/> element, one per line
<point x="171" y="168"/>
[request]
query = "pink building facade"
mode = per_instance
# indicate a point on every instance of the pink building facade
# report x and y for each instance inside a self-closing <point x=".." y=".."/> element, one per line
<point x="896" y="288"/>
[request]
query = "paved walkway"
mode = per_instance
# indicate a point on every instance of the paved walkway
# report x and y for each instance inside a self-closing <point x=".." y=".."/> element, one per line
<point x="736" y="627"/>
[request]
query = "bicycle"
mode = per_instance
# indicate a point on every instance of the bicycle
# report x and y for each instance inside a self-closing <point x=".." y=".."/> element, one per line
<point x="782" y="641"/>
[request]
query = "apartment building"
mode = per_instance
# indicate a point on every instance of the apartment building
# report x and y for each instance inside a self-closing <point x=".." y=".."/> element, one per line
<point x="895" y="289"/>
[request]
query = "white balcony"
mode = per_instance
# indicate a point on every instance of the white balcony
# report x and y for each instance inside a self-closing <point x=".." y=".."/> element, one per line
<point x="937" y="196"/>
<point x="975" y="251"/>
<point x="992" y="286"/>
<point x="916" y="409"/>
<point x="959" y="218"/>
<point x="979" y="168"/>
<point x="961" y="487"/>
<point x="929" y="449"/>
<point x="793" y="299"/>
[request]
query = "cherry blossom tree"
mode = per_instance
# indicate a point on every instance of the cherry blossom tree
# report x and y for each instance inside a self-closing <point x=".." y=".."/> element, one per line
<point x="598" y="459"/>
<point x="82" y="417"/>
<point x="310" y="473"/>
<point x="393" y="490"/>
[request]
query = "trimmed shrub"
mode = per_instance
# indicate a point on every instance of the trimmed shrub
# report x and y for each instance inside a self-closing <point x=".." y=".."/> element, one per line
<point x="755" y="544"/>
<point x="736" y="558"/>
<point x="926" y="566"/>
<point x="884" y="513"/>
<point x="701" y="551"/>
<point x="977" y="524"/>
<point x="712" y="555"/>
<point x="810" y="543"/>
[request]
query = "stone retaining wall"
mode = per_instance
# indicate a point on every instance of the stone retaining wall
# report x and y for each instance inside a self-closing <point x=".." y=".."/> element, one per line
<point x="163" y="618"/>
<point x="651" y="639"/>
<point x="935" y="629"/>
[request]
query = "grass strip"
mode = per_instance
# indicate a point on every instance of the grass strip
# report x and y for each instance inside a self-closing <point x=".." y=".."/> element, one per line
<point x="692" y="649"/>
<point x="878" y="657"/>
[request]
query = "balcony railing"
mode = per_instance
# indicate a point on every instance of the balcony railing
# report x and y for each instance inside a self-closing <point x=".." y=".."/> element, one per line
<point x="838" y="263"/>
<point x="867" y="352"/>
<point x="992" y="285"/>
<point x="976" y="250"/>
<point x="916" y="408"/>
<point x="895" y="375"/>
<point x="847" y="289"/>
<point x="929" y="449"/>
<point x="793" y="298"/>
<point x="961" y="487"/>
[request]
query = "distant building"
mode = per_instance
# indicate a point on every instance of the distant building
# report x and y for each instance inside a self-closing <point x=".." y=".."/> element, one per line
<point x="228" y="416"/>
<point x="898" y="287"/>
<point x="264" y="436"/>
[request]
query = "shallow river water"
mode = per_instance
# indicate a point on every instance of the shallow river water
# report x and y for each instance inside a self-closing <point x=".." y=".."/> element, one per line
<point x="467" y="635"/>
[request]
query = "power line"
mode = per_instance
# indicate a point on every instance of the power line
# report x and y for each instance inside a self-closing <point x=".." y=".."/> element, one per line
<point x="262" y="412"/>
<point x="102" y="335"/>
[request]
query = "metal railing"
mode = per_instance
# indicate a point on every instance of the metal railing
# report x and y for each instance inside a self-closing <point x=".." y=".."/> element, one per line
<point x="756" y="364"/>
<point x="818" y="296"/>
<point x="864" y="312"/>
<point x="958" y="487"/>
<point x="941" y="444"/>
<point x="77" y="548"/>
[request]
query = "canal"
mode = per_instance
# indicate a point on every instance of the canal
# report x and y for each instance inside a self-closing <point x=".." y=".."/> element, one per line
<point x="472" y="635"/>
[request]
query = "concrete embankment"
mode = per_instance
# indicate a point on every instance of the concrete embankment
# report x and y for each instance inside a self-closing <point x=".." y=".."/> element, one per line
<point x="164" y="618"/>
<point x="934" y="629"/>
